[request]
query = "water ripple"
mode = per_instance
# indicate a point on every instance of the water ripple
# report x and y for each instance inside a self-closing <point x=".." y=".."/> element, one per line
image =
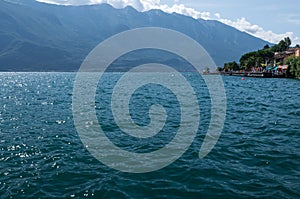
<point x="41" y="155"/>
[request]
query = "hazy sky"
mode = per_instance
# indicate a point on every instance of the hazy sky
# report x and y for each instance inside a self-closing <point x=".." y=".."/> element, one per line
<point x="271" y="20"/>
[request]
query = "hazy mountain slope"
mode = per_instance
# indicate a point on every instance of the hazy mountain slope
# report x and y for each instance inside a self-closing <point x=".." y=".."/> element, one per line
<point x="42" y="37"/>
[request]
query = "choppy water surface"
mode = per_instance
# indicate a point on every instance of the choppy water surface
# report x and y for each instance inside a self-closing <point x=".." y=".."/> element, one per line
<point x="41" y="155"/>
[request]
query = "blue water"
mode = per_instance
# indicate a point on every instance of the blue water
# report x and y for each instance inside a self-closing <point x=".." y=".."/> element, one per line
<point x="42" y="156"/>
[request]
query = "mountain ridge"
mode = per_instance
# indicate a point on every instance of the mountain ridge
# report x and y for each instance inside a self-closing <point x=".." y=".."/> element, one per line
<point x="36" y="36"/>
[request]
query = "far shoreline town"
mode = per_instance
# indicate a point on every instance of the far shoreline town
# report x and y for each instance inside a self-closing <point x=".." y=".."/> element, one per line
<point x="278" y="61"/>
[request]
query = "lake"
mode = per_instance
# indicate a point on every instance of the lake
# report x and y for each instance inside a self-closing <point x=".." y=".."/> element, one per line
<point x="42" y="155"/>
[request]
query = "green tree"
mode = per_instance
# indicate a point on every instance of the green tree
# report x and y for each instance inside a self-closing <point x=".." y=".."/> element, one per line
<point x="231" y="66"/>
<point x="287" y="42"/>
<point x="293" y="66"/>
<point x="256" y="58"/>
<point x="250" y="62"/>
<point x="266" y="46"/>
<point x="283" y="45"/>
<point x="260" y="57"/>
<point x="266" y="54"/>
<point x="220" y="69"/>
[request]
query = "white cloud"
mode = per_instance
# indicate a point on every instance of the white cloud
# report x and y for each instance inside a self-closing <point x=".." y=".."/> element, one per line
<point x="218" y="15"/>
<point x="144" y="5"/>
<point x="140" y="5"/>
<point x="243" y="25"/>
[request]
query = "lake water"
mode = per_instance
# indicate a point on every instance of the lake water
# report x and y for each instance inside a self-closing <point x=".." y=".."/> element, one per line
<point x="42" y="156"/>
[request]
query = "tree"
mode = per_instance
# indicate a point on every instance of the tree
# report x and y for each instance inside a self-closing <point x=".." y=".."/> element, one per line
<point x="231" y="66"/>
<point x="220" y="69"/>
<point x="293" y="66"/>
<point x="207" y="70"/>
<point x="260" y="57"/>
<point x="283" y="45"/>
<point x="266" y="46"/>
<point x="287" y="41"/>
<point x="265" y="55"/>
<point x="255" y="59"/>
<point x="250" y="62"/>
<point x="248" y="59"/>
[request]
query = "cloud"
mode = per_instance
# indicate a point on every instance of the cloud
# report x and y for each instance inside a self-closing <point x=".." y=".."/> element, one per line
<point x="218" y="15"/>
<point x="182" y="9"/>
<point x="144" y="5"/>
<point x="116" y="3"/>
<point x="140" y="5"/>
<point x="243" y="25"/>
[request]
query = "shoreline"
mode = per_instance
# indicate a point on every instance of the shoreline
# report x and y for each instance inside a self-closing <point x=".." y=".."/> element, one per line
<point x="255" y="74"/>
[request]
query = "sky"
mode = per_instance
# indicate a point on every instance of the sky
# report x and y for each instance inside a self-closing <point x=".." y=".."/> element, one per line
<point x="271" y="20"/>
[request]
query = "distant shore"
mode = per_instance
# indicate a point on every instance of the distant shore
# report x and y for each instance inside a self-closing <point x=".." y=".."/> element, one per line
<point x="249" y="74"/>
<point x="255" y="74"/>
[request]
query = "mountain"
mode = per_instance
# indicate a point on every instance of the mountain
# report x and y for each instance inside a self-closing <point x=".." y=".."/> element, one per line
<point x="37" y="36"/>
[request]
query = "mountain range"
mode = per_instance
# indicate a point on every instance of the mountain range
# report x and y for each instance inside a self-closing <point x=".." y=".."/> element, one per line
<point x="37" y="36"/>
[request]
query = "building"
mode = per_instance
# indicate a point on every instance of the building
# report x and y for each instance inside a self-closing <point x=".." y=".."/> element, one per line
<point x="297" y="53"/>
<point x="280" y="57"/>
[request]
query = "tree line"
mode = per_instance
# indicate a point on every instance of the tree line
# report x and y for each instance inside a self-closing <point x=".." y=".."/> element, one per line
<point x="262" y="57"/>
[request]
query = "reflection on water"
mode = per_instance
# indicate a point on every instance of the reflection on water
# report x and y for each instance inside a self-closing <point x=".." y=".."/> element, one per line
<point x="42" y="156"/>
